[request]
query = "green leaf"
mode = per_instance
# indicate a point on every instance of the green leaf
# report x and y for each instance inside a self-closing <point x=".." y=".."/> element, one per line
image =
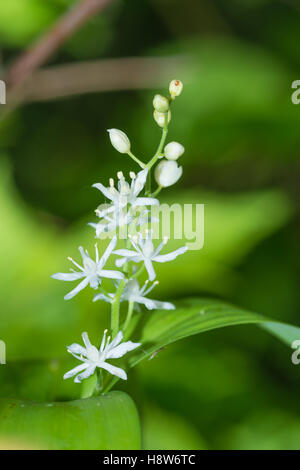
<point x="193" y="316"/>
<point x="106" y="422"/>
<point x="287" y="333"/>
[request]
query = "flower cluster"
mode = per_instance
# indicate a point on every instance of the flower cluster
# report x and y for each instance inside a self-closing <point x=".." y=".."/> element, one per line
<point x="127" y="205"/>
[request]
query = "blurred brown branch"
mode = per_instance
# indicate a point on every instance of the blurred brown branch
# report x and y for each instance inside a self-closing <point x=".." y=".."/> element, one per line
<point x="102" y="75"/>
<point x="47" y="45"/>
<point x="26" y="83"/>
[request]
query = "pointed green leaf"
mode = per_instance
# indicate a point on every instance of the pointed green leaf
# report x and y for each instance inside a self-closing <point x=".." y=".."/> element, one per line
<point x="287" y="333"/>
<point x="193" y="316"/>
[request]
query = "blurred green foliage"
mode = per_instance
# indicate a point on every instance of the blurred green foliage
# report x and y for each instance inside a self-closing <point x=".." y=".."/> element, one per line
<point x="233" y="388"/>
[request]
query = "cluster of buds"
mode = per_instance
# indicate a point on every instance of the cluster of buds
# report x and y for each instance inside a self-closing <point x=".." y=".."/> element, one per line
<point x="167" y="171"/>
<point x="161" y="107"/>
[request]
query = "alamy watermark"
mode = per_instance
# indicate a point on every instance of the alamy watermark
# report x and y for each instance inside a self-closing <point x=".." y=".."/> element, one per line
<point x="295" y="357"/>
<point x="2" y="92"/>
<point x="2" y="352"/>
<point x="295" y="96"/>
<point x="165" y="221"/>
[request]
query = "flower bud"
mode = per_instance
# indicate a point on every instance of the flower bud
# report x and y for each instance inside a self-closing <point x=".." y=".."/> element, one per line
<point x="119" y="140"/>
<point x="161" y="103"/>
<point x="160" y="117"/>
<point x="167" y="173"/>
<point x="173" y="151"/>
<point x="175" y="88"/>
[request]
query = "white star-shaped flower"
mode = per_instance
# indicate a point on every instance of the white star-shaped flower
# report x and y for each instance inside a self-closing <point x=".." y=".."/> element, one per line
<point x="133" y="293"/>
<point x="91" y="357"/>
<point x="145" y="251"/>
<point x="126" y="193"/>
<point x="92" y="271"/>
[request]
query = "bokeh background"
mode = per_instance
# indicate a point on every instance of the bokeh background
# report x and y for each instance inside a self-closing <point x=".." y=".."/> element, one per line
<point x="230" y="389"/>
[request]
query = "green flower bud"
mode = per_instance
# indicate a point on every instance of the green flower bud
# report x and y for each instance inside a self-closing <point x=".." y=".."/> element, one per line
<point x="167" y="173"/>
<point x="119" y="140"/>
<point x="173" y="151"/>
<point x="161" y="103"/>
<point x="175" y="88"/>
<point x="160" y="117"/>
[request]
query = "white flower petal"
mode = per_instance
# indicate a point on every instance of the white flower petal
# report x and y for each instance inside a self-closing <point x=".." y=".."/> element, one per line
<point x="111" y="274"/>
<point x="162" y="305"/>
<point x="169" y="256"/>
<point x="120" y="262"/>
<point x="121" y="350"/>
<point x="76" y="349"/>
<point x="84" y="375"/>
<point x="74" y="371"/>
<point x="146" y="201"/>
<point x="159" y="248"/>
<point x="77" y="289"/>
<point x="149" y="303"/>
<point x="113" y="370"/>
<point x="105" y="191"/>
<point x="102" y="297"/>
<point x="86" y="339"/>
<point x="125" y="252"/>
<point x="108" y="252"/>
<point x="167" y="173"/>
<point x="104" y="209"/>
<point x="102" y="227"/>
<point x="84" y="254"/>
<point x="140" y="181"/>
<point x="68" y="276"/>
<point x="150" y="269"/>
<point x="117" y="340"/>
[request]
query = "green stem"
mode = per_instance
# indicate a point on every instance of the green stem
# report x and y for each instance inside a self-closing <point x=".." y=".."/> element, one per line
<point x="89" y="386"/>
<point x="126" y="265"/>
<point x="115" y="309"/>
<point x="156" y="191"/>
<point x="129" y="315"/>
<point x="161" y="144"/>
<point x="142" y="165"/>
<point x="148" y="184"/>
<point x="139" y="271"/>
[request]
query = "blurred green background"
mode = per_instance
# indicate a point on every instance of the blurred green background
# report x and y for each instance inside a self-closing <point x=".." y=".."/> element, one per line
<point x="230" y="389"/>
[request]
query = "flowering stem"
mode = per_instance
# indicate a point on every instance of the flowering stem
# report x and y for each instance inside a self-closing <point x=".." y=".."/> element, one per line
<point x="139" y="271"/>
<point x="129" y="315"/>
<point x="142" y="165"/>
<point x="148" y="187"/>
<point x="89" y="386"/>
<point x="156" y="191"/>
<point x="161" y="144"/>
<point x="115" y="309"/>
